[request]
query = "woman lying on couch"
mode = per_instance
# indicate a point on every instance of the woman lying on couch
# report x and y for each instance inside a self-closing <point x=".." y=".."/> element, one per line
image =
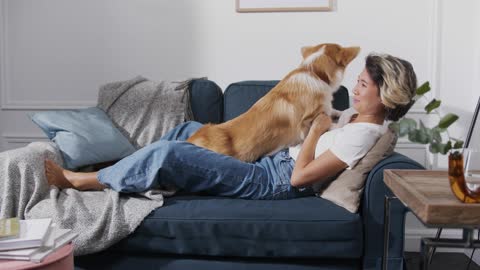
<point x="384" y="91"/>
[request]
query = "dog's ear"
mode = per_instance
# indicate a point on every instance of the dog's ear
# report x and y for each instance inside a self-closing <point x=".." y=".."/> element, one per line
<point x="306" y="51"/>
<point x="347" y="55"/>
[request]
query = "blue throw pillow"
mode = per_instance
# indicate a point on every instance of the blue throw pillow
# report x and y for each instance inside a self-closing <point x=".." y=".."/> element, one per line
<point x="84" y="136"/>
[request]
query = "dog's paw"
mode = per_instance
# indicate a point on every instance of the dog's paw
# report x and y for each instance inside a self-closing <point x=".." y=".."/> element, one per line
<point x="321" y="123"/>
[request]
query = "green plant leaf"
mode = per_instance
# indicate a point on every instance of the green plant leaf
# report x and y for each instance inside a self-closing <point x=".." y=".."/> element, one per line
<point x="406" y="125"/>
<point x="456" y="154"/>
<point x="436" y="137"/>
<point x="425" y="135"/>
<point x="395" y="126"/>
<point x="440" y="130"/>
<point x="444" y="148"/>
<point x="458" y="144"/>
<point x="419" y="136"/>
<point x="447" y="120"/>
<point x="422" y="125"/>
<point x="424" y="88"/>
<point x="432" y="105"/>
<point x="434" y="148"/>
<point x="414" y="136"/>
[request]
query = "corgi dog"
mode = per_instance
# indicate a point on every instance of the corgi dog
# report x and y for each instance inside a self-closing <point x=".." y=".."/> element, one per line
<point x="284" y="115"/>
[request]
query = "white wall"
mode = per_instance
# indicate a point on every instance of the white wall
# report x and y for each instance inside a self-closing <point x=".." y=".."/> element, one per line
<point x="55" y="53"/>
<point x="459" y="70"/>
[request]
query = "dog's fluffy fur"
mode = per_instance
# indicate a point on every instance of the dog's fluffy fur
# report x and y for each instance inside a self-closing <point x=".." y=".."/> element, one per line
<point x="283" y="116"/>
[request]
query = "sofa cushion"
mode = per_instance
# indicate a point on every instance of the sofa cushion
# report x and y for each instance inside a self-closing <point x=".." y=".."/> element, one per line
<point x="84" y="136"/>
<point x="216" y="226"/>
<point x="347" y="188"/>
<point x="240" y="96"/>
<point x="206" y="101"/>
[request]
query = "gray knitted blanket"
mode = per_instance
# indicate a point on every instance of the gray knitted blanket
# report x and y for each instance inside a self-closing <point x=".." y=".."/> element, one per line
<point x="100" y="218"/>
<point x="144" y="110"/>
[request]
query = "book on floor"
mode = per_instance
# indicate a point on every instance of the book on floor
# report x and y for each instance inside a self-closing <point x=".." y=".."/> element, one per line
<point x="32" y="234"/>
<point x="56" y="239"/>
<point x="40" y="254"/>
<point x="9" y="228"/>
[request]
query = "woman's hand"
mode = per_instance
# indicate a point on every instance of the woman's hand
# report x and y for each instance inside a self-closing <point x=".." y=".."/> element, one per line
<point x="321" y="124"/>
<point x="307" y="169"/>
<point x="317" y="170"/>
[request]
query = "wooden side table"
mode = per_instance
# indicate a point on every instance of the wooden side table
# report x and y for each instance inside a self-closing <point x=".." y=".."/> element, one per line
<point x="428" y="195"/>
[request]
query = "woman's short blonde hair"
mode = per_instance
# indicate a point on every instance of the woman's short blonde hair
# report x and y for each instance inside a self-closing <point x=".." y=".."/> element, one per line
<point x="396" y="81"/>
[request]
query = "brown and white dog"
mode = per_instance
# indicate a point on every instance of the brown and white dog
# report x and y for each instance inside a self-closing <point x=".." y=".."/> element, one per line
<point x="284" y="115"/>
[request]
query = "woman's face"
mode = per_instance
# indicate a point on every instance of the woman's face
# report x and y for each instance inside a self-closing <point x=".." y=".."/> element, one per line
<point x="366" y="98"/>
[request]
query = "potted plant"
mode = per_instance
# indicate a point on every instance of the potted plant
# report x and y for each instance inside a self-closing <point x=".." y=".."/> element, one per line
<point x="420" y="133"/>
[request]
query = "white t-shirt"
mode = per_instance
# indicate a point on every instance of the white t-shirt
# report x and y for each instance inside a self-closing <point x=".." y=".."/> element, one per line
<point x="349" y="143"/>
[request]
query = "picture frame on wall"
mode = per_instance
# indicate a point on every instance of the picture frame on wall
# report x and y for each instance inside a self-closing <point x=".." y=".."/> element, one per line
<point x="283" y="5"/>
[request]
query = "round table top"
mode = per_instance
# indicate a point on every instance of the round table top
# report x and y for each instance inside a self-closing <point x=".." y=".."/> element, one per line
<point x="54" y="257"/>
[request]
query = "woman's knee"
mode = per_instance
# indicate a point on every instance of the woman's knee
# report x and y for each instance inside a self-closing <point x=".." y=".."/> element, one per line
<point x="192" y="126"/>
<point x="182" y="131"/>
<point x="169" y="151"/>
<point x="187" y="129"/>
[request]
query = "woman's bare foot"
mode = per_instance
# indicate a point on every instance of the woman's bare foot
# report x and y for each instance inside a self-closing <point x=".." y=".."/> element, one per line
<point x="62" y="178"/>
<point x="57" y="176"/>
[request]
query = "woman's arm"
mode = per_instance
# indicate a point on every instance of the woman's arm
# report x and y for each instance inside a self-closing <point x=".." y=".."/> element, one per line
<point x="309" y="170"/>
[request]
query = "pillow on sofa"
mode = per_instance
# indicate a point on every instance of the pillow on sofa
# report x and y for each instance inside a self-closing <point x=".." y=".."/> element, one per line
<point x="84" y="136"/>
<point x="346" y="189"/>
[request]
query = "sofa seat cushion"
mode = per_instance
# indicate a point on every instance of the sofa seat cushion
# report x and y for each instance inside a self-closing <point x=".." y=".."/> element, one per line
<point x="204" y="225"/>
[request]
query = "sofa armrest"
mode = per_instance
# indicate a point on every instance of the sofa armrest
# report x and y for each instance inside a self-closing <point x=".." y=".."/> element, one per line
<point x="373" y="215"/>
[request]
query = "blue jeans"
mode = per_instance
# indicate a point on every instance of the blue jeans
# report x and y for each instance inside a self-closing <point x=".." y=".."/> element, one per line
<point x="172" y="161"/>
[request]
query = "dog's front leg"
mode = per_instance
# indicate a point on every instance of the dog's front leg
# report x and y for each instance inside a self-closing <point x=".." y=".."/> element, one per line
<point x="305" y="125"/>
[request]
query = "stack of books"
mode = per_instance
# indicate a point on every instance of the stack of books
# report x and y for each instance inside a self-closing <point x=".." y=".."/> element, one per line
<point x="32" y="239"/>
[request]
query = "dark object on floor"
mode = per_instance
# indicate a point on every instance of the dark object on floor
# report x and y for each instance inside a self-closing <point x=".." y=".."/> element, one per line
<point x="441" y="261"/>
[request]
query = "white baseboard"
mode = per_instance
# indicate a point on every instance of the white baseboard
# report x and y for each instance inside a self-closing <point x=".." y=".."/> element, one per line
<point x="12" y="141"/>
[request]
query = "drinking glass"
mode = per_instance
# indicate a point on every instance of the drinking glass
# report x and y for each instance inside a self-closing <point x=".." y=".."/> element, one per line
<point x="472" y="171"/>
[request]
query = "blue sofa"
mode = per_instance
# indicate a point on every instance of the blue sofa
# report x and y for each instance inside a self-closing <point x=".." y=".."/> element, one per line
<point x="204" y="232"/>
